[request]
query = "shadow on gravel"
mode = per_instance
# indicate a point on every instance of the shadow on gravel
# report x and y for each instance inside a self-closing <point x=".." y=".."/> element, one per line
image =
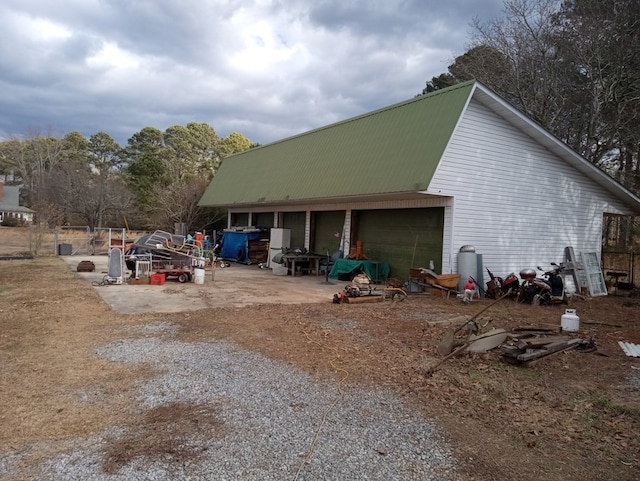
<point x="172" y="434"/>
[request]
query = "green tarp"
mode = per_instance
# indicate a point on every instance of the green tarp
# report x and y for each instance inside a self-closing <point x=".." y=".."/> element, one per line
<point x="376" y="270"/>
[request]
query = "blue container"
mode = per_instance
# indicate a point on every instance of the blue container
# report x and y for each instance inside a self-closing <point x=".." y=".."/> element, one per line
<point x="235" y="245"/>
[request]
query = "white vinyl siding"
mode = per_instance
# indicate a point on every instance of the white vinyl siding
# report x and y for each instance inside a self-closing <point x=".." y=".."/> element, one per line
<point x="515" y="201"/>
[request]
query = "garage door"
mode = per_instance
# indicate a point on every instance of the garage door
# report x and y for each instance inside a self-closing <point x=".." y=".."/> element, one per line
<point x="295" y="221"/>
<point x="263" y="219"/>
<point x="328" y="227"/>
<point x="239" y="219"/>
<point x="401" y="237"/>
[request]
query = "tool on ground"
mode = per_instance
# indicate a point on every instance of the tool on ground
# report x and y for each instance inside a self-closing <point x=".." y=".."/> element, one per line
<point x="446" y="345"/>
<point x="449" y="356"/>
<point x="497" y="336"/>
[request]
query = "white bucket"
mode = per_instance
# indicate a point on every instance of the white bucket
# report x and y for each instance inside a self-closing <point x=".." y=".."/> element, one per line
<point x="570" y="321"/>
<point x="198" y="276"/>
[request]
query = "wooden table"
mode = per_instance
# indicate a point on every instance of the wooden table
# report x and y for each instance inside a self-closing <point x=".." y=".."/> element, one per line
<point x="290" y="261"/>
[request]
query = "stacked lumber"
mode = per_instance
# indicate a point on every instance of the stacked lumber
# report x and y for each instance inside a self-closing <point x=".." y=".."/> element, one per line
<point x="258" y="251"/>
<point x="527" y="346"/>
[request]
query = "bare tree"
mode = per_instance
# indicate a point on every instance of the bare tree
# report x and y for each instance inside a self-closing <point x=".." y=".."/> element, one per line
<point x="178" y="203"/>
<point x="520" y="59"/>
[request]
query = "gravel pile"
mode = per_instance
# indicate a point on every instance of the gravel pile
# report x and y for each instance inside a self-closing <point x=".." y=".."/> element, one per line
<point x="273" y="422"/>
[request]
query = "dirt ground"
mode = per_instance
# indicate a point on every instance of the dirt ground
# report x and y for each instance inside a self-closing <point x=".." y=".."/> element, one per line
<point x="238" y="285"/>
<point x="570" y="416"/>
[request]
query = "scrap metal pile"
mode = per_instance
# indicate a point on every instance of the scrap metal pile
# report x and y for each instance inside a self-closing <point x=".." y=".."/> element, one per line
<point x="520" y="346"/>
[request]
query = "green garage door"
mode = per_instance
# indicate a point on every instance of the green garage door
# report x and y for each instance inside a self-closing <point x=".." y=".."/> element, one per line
<point x="328" y="231"/>
<point x="295" y="221"/>
<point x="263" y="219"/>
<point x="240" y="219"/>
<point x="402" y="236"/>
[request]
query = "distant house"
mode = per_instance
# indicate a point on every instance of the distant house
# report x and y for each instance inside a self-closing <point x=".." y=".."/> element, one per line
<point x="418" y="180"/>
<point x="10" y="207"/>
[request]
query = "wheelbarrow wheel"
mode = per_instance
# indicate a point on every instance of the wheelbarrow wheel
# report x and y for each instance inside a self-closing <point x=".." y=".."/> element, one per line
<point x="398" y="296"/>
<point x="395" y="294"/>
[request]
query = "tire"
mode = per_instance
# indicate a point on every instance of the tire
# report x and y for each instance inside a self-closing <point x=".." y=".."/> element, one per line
<point x="398" y="296"/>
<point x="182" y="278"/>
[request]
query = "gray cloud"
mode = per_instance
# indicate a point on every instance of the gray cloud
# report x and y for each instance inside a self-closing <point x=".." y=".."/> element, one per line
<point x="266" y="68"/>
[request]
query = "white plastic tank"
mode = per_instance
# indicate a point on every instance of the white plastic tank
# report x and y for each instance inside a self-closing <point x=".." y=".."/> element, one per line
<point x="570" y="321"/>
<point x="467" y="265"/>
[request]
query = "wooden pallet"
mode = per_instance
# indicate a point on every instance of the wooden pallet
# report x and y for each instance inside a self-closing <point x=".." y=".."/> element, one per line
<point x="363" y="299"/>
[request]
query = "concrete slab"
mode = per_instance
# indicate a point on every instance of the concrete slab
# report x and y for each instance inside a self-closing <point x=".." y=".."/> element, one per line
<point x="235" y="286"/>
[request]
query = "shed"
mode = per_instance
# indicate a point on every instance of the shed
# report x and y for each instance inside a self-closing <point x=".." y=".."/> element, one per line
<point x="417" y="180"/>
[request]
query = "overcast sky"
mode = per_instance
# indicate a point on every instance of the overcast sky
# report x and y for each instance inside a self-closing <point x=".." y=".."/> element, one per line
<point x="266" y="68"/>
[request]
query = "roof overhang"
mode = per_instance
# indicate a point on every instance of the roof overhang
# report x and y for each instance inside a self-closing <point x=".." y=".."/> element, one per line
<point x="14" y="208"/>
<point x="396" y="196"/>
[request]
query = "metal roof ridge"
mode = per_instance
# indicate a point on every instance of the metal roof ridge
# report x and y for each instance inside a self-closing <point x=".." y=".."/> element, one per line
<point x="371" y="113"/>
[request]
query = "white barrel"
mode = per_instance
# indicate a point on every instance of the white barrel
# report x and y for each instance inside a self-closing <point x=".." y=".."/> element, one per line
<point x="198" y="276"/>
<point x="467" y="265"/>
<point x="570" y="321"/>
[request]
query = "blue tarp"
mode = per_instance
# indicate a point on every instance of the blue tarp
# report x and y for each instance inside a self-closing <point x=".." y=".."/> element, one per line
<point x="235" y="245"/>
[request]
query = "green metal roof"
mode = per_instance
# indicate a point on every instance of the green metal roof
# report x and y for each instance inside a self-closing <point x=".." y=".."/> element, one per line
<point x="391" y="150"/>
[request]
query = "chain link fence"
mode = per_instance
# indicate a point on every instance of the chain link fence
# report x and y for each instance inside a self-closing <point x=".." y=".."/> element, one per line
<point x="73" y="240"/>
<point x="39" y="240"/>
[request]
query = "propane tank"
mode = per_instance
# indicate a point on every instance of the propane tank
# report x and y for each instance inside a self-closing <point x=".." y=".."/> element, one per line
<point x="570" y="321"/>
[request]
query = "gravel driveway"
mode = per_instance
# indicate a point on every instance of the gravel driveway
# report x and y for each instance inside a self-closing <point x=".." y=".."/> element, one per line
<point x="255" y="419"/>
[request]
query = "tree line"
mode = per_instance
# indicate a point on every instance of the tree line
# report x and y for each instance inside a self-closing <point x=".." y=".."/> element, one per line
<point x="155" y="181"/>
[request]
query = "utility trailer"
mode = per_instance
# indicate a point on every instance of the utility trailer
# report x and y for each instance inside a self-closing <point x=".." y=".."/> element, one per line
<point x="172" y="255"/>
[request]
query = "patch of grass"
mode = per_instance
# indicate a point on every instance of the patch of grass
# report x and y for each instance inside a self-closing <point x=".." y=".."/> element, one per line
<point x="517" y="441"/>
<point x="526" y="373"/>
<point x="590" y="419"/>
<point x="607" y="405"/>
<point x="500" y="366"/>
<point x="600" y="415"/>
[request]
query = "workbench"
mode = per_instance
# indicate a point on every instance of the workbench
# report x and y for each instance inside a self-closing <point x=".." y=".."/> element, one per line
<point x="313" y="260"/>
